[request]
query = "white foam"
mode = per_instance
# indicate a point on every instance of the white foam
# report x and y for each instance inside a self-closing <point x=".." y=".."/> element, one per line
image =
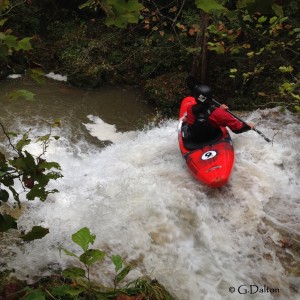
<point x="14" y="76"/>
<point x="51" y="75"/>
<point x="57" y="77"/>
<point x="139" y="199"/>
<point x="106" y="132"/>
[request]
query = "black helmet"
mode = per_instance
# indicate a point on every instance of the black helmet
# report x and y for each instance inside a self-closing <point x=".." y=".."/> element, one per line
<point x="202" y="93"/>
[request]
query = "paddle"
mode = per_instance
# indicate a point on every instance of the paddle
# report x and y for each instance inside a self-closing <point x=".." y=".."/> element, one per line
<point x="256" y="130"/>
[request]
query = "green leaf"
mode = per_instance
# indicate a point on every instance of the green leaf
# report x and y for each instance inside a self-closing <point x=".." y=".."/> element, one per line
<point x="69" y="252"/>
<point x="56" y="123"/>
<point x="76" y="291"/>
<point x="26" y="163"/>
<point x="122" y="12"/>
<point x="18" y="163"/>
<point x="4" y="195"/>
<point x="4" y="5"/>
<point x="51" y="175"/>
<point x="35" y="295"/>
<point x="37" y="232"/>
<point x="10" y="41"/>
<point x="42" y="180"/>
<point x="273" y="20"/>
<point x="37" y="75"/>
<point x="49" y="165"/>
<point x="118" y="262"/>
<point x="44" y="138"/>
<point x="287" y="87"/>
<point x="24" y="44"/>
<point x="286" y="69"/>
<point x="122" y="275"/>
<point x="12" y="134"/>
<point x="7" y="181"/>
<point x="2" y="21"/>
<point x="91" y="256"/>
<point x="209" y="5"/>
<point x="250" y="54"/>
<point x="83" y="238"/>
<point x="7" y="222"/>
<point x="38" y="191"/>
<point x="278" y="10"/>
<point x="218" y="47"/>
<point x="261" y="50"/>
<point x="60" y="290"/>
<point x="193" y="49"/>
<point x="297" y="97"/>
<point x="29" y="161"/>
<point x="262" y="19"/>
<point x="2" y="157"/>
<point x="73" y="272"/>
<point x="27" y="95"/>
<point x="86" y="4"/>
<point x="15" y="193"/>
<point x="2" y="173"/>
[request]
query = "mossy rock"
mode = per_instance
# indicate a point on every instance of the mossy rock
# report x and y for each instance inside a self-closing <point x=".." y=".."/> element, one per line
<point x="167" y="91"/>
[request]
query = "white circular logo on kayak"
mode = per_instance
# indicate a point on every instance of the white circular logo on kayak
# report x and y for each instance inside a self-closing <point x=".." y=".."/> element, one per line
<point x="208" y="155"/>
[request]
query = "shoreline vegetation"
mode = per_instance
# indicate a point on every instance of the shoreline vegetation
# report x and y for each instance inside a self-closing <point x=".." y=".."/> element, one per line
<point x="75" y="282"/>
<point x="250" y="58"/>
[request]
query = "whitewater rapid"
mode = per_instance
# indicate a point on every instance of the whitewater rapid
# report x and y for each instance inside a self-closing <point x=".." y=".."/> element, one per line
<point x="138" y="197"/>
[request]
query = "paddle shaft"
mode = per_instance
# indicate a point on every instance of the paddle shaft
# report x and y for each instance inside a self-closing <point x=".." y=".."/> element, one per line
<point x="256" y="130"/>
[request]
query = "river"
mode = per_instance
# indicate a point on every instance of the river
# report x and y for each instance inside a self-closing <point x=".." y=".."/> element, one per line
<point x="128" y="183"/>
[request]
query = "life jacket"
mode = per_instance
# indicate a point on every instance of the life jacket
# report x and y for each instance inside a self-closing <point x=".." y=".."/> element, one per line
<point x="202" y="130"/>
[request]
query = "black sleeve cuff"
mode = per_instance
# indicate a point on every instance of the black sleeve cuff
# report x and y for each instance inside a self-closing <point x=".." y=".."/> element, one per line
<point x="243" y="129"/>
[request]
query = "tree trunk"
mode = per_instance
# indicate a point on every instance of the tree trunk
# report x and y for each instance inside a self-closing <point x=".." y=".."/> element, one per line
<point x="204" y="23"/>
<point x="201" y="44"/>
<point x="196" y="57"/>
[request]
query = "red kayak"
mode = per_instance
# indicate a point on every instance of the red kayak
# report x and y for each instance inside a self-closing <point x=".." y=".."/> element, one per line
<point x="211" y="163"/>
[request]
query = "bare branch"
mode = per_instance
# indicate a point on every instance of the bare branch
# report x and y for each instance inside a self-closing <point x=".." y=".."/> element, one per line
<point x="9" y="140"/>
<point x="12" y="7"/>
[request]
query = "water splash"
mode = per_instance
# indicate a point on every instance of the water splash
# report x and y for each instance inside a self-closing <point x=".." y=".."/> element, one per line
<point x="138" y="197"/>
<point x="106" y="132"/>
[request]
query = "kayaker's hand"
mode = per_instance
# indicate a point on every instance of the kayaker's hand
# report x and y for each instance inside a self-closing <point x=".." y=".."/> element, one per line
<point x="251" y="125"/>
<point x="224" y="107"/>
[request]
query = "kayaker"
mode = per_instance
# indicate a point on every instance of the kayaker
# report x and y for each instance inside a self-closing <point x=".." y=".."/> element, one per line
<point x="205" y="121"/>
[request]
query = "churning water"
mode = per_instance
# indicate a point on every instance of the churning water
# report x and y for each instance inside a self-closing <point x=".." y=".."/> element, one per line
<point x="138" y="197"/>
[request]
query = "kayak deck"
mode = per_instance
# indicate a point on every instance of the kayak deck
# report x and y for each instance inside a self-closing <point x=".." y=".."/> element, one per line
<point x="212" y="162"/>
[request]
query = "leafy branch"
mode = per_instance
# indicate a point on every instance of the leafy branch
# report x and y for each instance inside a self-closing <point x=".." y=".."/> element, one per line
<point x="33" y="172"/>
<point x="8" y="137"/>
<point x="77" y="283"/>
<point x="7" y="7"/>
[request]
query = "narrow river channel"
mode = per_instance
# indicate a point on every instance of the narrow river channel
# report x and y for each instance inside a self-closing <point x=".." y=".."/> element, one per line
<point x="125" y="179"/>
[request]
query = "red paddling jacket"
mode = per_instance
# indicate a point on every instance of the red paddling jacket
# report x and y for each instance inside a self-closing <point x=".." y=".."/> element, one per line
<point x="204" y="122"/>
